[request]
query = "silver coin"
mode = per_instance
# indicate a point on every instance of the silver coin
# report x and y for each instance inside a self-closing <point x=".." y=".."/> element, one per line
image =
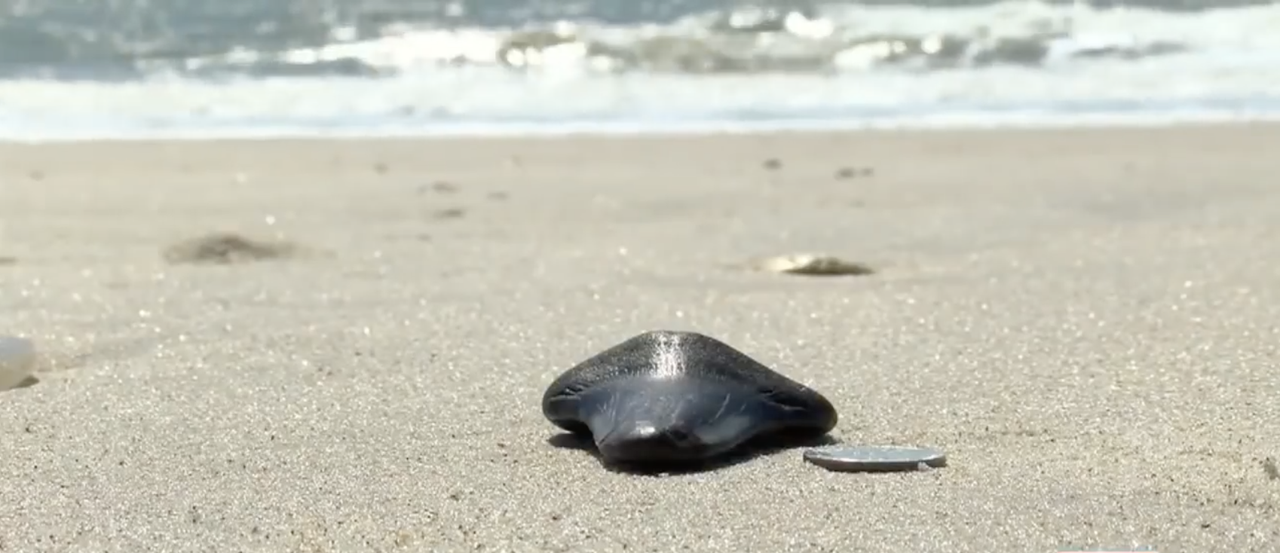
<point x="876" y="458"/>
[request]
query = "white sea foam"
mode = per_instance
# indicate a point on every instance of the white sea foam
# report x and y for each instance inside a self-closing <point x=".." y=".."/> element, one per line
<point x="461" y="81"/>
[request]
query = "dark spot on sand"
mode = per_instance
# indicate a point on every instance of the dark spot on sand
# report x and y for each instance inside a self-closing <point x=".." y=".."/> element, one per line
<point x="498" y="196"/>
<point x="36" y="175"/>
<point x="772" y="164"/>
<point x="27" y="382"/>
<point x="449" y="213"/>
<point x="1269" y="467"/>
<point x="7" y="260"/>
<point x="380" y="168"/>
<point x="226" y="249"/>
<point x="854" y="172"/>
<point x="439" y="187"/>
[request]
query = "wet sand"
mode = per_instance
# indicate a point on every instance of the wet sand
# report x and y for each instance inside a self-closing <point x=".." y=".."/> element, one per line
<point x="1086" y="321"/>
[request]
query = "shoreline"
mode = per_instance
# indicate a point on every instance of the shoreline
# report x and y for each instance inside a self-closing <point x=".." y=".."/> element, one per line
<point x="574" y="131"/>
<point x="676" y="135"/>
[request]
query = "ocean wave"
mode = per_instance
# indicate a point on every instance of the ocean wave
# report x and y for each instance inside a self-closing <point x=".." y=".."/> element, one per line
<point x="834" y="39"/>
<point x="817" y="39"/>
<point x="841" y="64"/>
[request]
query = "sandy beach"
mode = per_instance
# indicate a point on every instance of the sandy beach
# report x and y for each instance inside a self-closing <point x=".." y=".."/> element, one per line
<point x="1086" y="321"/>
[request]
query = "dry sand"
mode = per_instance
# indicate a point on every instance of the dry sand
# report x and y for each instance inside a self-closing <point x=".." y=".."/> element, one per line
<point x="1087" y="321"/>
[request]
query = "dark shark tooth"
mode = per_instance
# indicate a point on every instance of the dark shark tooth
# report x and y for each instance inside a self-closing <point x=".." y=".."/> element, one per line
<point x="680" y="397"/>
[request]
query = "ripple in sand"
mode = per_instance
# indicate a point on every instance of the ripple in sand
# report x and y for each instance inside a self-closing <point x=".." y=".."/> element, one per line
<point x="227" y="249"/>
<point x="17" y="362"/>
<point x="811" y="265"/>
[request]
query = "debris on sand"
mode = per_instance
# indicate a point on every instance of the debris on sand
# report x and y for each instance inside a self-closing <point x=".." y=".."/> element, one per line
<point x="449" y="213"/>
<point x="811" y="264"/>
<point x="854" y="172"/>
<point x="226" y="249"/>
<point x="17" y="361"/>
